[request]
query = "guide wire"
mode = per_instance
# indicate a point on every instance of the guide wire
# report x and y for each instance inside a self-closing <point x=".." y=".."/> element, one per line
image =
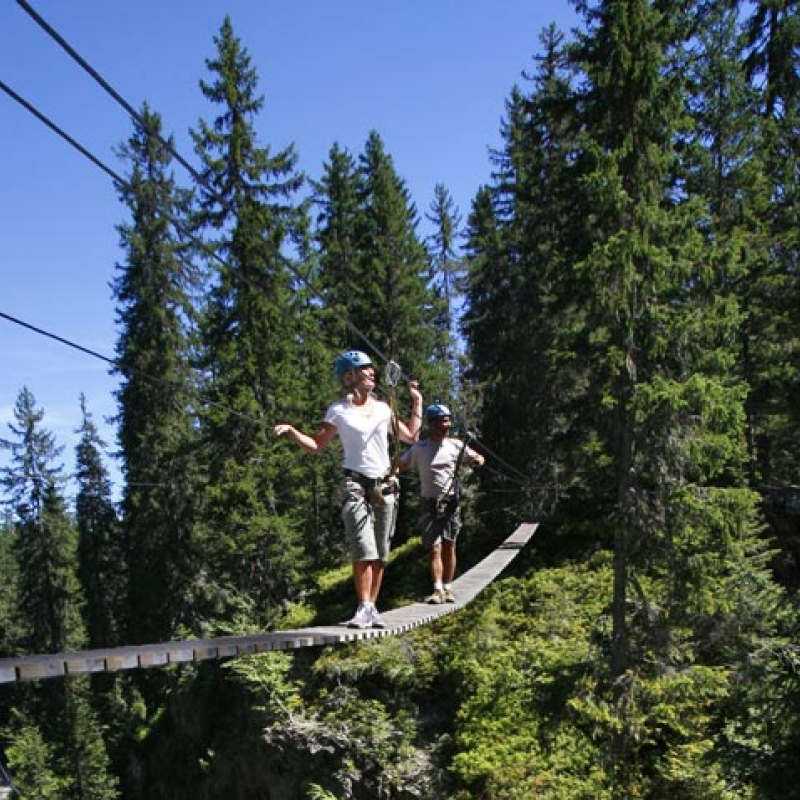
<point x="114" y="363"/>
<point x="114" y="93"/>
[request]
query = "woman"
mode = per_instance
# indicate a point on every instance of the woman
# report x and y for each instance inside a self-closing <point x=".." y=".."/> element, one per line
<point x="363" y="424"/>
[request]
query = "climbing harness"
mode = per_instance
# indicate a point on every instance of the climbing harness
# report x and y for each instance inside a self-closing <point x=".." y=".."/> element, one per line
<point x="375" y="491"/>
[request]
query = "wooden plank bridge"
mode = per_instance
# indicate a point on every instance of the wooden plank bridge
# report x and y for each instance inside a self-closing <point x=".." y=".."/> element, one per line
<point x="398" y="621"/>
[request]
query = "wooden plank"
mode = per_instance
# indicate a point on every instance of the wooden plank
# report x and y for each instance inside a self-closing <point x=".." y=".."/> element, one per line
<point x="205" y="652"/>
<point x="122" y="658"/>
<point x="155" y="657"/>
<point x="180" y="652"/>
<point x="35" y="667"/>
<point x="81" y="663"/>
<point x="398" y="621"/>
<point x="8" y="673"/>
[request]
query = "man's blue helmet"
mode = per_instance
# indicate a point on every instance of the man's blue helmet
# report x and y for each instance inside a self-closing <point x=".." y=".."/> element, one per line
<point x="352" y="359"/>
<point x="437" y="410"/>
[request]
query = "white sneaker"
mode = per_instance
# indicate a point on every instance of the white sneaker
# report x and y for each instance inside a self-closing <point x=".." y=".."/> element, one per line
<point x="361" y="619"/>
<point x="376" y="618"/>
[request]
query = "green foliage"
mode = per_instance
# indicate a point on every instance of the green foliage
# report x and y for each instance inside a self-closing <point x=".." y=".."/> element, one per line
<point x="101" y="562"/>
<point x="631" y="321"/>
<point x="33" y="763"/>
<point x="156" y="395"/>
<point x="250" y="355"/>
<point x="266" y="678"/>
<point x="522" y="658"/>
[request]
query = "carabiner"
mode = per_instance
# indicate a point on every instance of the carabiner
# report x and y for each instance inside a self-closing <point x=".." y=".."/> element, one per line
<point x="392" y="373"/>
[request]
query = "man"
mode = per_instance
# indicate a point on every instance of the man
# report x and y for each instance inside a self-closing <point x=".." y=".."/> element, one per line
<point x="438" y="459"/>
<point x="369" y="511"/>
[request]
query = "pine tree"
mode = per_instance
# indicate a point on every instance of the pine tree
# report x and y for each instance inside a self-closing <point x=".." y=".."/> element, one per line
<point x="447" y="278"/>
<point x="772" y="288"/>
<point x="156" y="397"/>
<point x="395" y="308"/>
<point x="8" y="588"/>
<point x="251" y="356"/>
<point x="101" y="561"/>
<point x="45" y="542"/>
<point x="688" y="561"/>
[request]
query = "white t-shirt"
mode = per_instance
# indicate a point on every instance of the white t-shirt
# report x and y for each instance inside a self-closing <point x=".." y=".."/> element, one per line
<point x="365" y="436"/>
<point x="436" y="463"/>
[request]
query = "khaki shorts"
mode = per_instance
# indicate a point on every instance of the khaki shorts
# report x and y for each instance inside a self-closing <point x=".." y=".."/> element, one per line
<point x="369" y="527"/>
<point x="435" y="528"/>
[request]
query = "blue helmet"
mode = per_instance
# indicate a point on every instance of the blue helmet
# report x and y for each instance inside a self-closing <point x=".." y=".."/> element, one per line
<point x="437" y="410"/>
<point x="352" y="359"/>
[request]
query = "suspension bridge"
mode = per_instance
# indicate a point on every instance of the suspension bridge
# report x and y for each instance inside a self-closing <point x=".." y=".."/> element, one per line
<point x="398" y="621"/>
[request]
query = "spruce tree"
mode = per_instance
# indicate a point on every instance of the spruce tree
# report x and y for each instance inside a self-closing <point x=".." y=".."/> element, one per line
<point x="85" y="759"/>
<point x="394" y="307"/>
<point x="526" y="324"/>
<point x="45" y="542"/>
<point x="374" y="270"/>
<point x="101" y="555"/>
<point x="33" y="761"/>
<point x="250" y="354"/>
<point x="447" y="279"/>
<point x="688" y="567"/>
<point x="490" y="347"/>
<point x="772" y="289"/>
<point x="156" y="397"/>
<point x="336" y="232"/>
<point x="8" y="588"/>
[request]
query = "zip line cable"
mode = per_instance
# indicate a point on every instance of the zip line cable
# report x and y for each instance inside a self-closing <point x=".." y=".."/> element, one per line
<point x="57" y="338"/>
<point x="522" y="477"/>
<point x="181" y="230"/>
<point x="53" y="127"/>
<point x="114" y="363"/>
<point x="116" y="95"/>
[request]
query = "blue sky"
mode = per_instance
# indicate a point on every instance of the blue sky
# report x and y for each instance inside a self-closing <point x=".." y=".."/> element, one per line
<point x="430" y="76"/>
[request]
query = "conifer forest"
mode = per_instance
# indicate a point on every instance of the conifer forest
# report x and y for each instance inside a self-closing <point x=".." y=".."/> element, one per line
<point x="615" y="320"/>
